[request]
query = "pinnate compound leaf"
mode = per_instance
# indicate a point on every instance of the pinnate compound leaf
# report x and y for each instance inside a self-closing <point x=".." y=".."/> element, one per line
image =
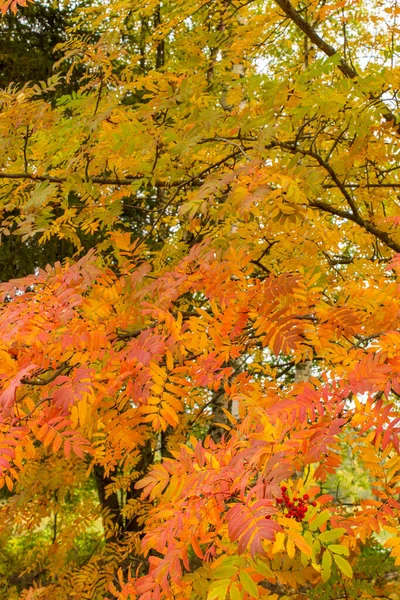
<point x="7" y="397"/>
<point x="154" y="483"/>
<point x="248" y="524"/>
<point x="12" y="4"/>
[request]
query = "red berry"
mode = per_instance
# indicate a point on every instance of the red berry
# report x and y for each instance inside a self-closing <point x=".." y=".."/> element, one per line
<point x="283" y="488"/>
<point x="313" y="503"/>
<point x="306" y="496"/>
<point x="279" y="500"/>
<point x="268" y="517"/>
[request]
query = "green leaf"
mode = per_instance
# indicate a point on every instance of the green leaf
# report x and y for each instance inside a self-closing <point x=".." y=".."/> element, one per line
<point x="263" y="569"/>
<point x="305" y="559"/>
<point x="332" y="534"/>
<point x="326" y="565"/>
<point x="235" y="593"/>
<point x="225" y="571"/>
<point x="339" y="549"/>
<point x="316" y="547"/>
<point x="248" y="584"/>
<point x="320" y="520"/>
<point x="343" y="565"/>
<point x="218" y="589"/>
<point x="310" y="541"/>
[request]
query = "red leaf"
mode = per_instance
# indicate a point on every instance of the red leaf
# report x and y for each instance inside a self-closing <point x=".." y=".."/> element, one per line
<point x="248" y="525"/>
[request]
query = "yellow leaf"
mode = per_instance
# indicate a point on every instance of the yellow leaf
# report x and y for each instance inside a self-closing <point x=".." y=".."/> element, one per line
<point x="169" y="360"/>
<point x="169" y="415"/>
<point x="392" y="542"/>
<point x="57" y="442"/>
<point x="290" y="549"/>
<point x="74" y="416"/>
<point x="343" y="565"/>
<point x="300" y="543"/>
<point x="82" y="411"/>
<point x="279" y="542"/>
<point x="49" y="437"/>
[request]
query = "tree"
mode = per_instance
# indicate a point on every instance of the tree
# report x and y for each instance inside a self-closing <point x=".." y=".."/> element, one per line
<point x="185" y="395"/>
<point x="28" y="53"/>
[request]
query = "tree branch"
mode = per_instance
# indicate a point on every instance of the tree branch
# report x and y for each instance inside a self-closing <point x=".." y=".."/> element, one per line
<point x="354" y="215"/>
<point x="56" y="373"/>
<point x="25" y="149"/>
<point x="30" y="413"/>
<point x="310" y="32"/>
<point x="345" y="68"/>
<point x="128" y="335"/>
<point x="325" y="165"/>
<point x="129" y="179"/>
<point x="367" y="225"/>
<point x="356" y="186"/>
<point x="100" y="180"/>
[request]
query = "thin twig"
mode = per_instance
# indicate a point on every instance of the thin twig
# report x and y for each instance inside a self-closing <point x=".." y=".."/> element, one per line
<point x="57" y="372"/>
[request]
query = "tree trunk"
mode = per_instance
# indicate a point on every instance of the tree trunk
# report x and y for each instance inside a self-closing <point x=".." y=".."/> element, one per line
<point x="109" y="502"/>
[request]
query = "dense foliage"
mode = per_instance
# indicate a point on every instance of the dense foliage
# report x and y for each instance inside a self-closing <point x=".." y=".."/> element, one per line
<point x="200" y="390"/>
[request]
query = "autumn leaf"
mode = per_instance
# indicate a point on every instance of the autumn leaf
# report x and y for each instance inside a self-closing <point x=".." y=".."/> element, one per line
<point x="248" y="524"/>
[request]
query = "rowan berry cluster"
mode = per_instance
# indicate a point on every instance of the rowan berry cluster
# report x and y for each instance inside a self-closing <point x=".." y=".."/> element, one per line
<point x="295" y="508"/>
